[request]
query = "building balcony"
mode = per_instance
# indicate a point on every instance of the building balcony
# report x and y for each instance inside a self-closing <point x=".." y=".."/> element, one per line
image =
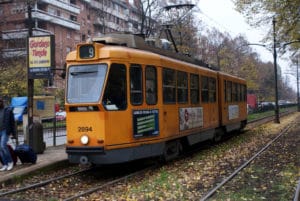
<point x="98" y="21"/>
<point x="14" y="52"/>
<point x="123" y="15"/>
<point x="113" y="26"/>
<point x="66" y="6"/>
<point x="23" y="33"/>
<point x="44" y="16"/>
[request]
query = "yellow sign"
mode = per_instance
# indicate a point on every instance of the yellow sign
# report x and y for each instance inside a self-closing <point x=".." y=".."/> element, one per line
<point x="39" y="51"/>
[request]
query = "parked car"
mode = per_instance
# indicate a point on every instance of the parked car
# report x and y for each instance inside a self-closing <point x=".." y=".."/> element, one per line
<point x="60" y="115"/>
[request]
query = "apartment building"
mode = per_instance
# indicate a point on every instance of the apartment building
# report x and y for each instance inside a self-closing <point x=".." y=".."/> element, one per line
<point x="71" y="21"/>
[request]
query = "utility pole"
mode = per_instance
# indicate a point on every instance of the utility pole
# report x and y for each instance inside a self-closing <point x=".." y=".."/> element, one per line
<point x="276" y="120"/>
<point x="30" y="82"/>
<point x="298" y="98"/>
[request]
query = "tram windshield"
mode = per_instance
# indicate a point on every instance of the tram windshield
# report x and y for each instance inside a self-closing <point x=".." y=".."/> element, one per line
<point x="85" y="83"/>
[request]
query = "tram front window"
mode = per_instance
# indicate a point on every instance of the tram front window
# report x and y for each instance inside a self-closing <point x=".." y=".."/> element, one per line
<point x="85" y="83"/>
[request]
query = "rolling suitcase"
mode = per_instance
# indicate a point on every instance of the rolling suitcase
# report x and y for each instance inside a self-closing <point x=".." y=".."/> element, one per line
<point x="25" y="153"/>
<point x="12" y="153"/>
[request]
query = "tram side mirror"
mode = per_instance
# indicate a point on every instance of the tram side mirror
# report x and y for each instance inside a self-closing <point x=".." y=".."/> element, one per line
<point x="63" y="74"/>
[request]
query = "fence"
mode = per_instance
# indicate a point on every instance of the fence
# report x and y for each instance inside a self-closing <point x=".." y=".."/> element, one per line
<point x="54" y="132"/>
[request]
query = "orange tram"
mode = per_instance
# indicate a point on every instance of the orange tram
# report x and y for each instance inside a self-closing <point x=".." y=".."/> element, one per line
<point x="126" y="100"/>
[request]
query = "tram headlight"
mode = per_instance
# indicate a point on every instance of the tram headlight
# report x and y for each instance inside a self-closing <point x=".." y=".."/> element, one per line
<point x="84" y="139"/>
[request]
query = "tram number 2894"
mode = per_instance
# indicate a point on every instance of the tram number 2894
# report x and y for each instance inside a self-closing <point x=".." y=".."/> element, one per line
<point x="85" y="129"/>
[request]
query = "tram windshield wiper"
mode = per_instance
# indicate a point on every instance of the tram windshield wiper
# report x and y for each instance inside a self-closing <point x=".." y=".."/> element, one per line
<point x="82" y="73"/>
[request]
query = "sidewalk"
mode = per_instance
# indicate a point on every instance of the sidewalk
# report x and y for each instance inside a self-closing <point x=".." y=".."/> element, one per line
<point x="51" y="156"/>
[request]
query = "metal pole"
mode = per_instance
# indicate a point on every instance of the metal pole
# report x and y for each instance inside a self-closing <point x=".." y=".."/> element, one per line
<point x="298" y="98"/>
<point x="30" y="82"/>
<point x="276" y="120"/>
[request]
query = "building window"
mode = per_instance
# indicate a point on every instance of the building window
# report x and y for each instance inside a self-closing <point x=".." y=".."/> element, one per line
<point x="73" y="18"/>
<point x="68" y="49"/>
<point x="51" y="11"/>
<point x="68" y="34"/>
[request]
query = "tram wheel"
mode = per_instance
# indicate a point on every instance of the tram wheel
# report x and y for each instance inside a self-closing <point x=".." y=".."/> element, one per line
<point x="172" y="150"/>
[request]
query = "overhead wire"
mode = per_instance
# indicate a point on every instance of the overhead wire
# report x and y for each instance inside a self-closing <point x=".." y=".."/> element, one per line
<point x="215" y="22"/>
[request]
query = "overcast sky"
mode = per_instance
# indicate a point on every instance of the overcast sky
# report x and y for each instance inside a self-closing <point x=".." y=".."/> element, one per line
<point x="221" y="14"/>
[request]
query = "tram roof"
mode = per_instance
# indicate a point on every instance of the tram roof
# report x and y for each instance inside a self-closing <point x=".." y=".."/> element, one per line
<point x="138" y="42"/>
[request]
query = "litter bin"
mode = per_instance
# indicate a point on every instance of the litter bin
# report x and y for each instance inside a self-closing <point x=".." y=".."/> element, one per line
<point x="36" y="138"/>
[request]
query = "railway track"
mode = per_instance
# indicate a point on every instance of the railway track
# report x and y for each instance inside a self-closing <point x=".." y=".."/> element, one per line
<point x="78" y="184"/>
<point x="42" y="183"/>
<point x="240" y="168"/>
<point x="83" y="186"/>
<point x="109" y="183"/>
<point x="255" y="122"/>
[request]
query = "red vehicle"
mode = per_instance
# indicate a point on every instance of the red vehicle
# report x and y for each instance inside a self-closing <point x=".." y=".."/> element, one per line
<point x="252" y="101"/>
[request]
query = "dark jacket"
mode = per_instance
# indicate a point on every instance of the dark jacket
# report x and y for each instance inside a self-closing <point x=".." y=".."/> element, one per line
<point x="9" y="121"/>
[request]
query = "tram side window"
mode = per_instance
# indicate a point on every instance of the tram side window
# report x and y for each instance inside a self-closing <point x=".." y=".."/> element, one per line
<point x="169" y="85"/>
<point x="182" y="87"/>
<point x="238" y="92"/>
<point x="212" y="90"/>
<point x="243" y="93"/>
<point x="151" y="85"/>
<point x="225" y="91"/>
<point x="136" y="82"/>
<point x="194" y="89"/>
<point x="228" y="91"/>
<point x="115" y="92"/>
<point x="204" y="89"/>
<point x="234" y="92"/>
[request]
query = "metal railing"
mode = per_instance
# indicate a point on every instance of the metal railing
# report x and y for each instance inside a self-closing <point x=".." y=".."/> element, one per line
<point x="54" y="133"/>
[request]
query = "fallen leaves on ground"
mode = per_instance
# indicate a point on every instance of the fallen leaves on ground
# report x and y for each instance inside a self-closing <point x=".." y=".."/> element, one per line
<point x="190" y="178"/>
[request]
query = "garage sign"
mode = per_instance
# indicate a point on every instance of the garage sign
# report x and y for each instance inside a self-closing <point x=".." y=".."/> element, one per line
<point x="41" y="53"/>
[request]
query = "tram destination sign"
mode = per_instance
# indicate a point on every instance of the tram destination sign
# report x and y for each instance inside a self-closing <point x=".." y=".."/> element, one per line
<point x="41" y="56"/>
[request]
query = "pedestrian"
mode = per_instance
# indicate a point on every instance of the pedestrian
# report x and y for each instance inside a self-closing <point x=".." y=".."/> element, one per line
<point x="7" y="128"/>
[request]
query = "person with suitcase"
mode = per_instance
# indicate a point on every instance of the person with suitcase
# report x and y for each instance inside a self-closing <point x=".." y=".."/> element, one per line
<point x="7" y="128"/>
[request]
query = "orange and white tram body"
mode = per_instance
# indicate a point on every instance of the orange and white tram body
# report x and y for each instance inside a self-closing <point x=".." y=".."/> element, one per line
<point x="126" y="103"/>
